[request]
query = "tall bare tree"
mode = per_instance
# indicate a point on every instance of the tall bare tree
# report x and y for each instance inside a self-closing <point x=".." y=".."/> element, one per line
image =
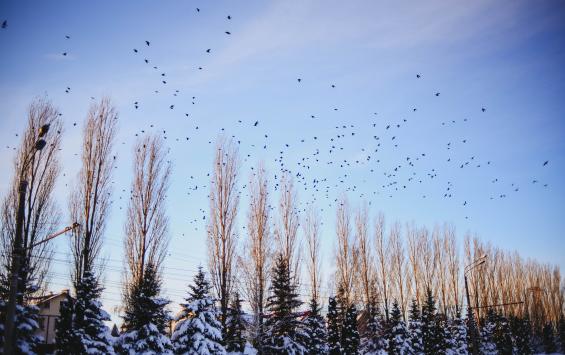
<point x="89" y="203"/>
<point x="311" y="227"/>
<point x="147" y="224"/>
<point x="383" y="266"/>
<point x="255" y="261"/>
<point x="346" y="259"/>
<point x="398" y="267"/>
<point x="366" y="267"/>
<point x="41" y="215"/>
<point x="287" y="226"/>
<point x="222" y="237"/>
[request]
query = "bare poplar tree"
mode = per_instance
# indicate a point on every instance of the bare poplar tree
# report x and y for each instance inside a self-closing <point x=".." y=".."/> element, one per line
<point x="398" y="267"/>
<point x="366" y="268"/>
<point x="224" y="202"/>
<point x="90" y="200"/>
<point x="287" y="227"/>
<point x="146" y="229"/>
<point x="41" y="215"/>
<point x="415" y="261"/>
<point x="311" y="227"/>
<point x="383" y="267"/>
<point x="346" y="258"/>
<point x="255" y="261"/>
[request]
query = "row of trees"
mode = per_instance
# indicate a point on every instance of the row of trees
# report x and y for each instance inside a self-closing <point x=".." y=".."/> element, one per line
<point x="387" y="280"/>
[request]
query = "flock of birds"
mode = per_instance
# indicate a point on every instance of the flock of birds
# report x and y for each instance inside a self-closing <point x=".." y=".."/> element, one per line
<point x="380" y="141"/>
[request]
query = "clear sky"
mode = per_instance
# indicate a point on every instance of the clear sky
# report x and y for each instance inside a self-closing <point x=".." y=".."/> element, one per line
<point x="505" y="56"/>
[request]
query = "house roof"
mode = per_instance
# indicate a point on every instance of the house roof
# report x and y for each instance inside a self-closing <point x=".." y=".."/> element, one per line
<point x="48" y="297"/>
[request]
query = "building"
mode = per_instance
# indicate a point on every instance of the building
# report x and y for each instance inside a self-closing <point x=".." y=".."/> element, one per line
<point x="49" y="311"/>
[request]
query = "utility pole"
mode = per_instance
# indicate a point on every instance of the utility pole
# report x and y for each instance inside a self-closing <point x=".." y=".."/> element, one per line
<point x="17" y="248"/>
<point x="473" y="330"/>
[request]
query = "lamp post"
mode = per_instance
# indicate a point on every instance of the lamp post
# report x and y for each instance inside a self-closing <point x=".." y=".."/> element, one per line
<point x="471" y="319"/>
<point x="17" y="248"/>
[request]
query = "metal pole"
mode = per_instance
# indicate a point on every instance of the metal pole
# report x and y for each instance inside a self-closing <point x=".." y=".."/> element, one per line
<point x="472" y="325"/>
<point x="9" y="328"/>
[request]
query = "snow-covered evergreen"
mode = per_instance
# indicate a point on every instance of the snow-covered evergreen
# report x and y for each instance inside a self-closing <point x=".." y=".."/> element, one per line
<point x="198" y="330"/>
<point x="283" y="329"/>
<point x="349" y="333"/>
<point x="334" y="334"/>
<point x="548" y="338"/>
<point x="145" y="318"/>
<point x="503" y="336"/>
<point x="235" y="341"/>
<point x="398" y="342"/>
<point x="415" y="329"/>
<point x="89" y="317"/>
<point x="433" y="337"/>
<point x="457" y="344"/>
<point x="488" y="346"/>
<point x="316" y="337"/>
<point x="522" y="335"/>
<point x="373" y="340"/>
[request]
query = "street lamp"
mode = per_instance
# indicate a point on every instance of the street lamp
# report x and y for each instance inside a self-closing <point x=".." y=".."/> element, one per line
<point x="9" y="327"/>
<point x="472" y="325"/>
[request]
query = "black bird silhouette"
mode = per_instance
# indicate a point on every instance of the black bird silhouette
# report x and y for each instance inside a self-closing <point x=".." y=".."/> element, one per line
<point x="208" y="50"/>
<point x="545" y="163"/>
<point x="64" y="54"/>
<point x="5" y="24"/>
<point x="135" y="50"/>
<point x="147" y="43"/>
<point x="418" y="76"/>
<point x="197" y="10"/>
<point x="437" y="93"/>
<point x="147" y="61"/>
<point x="299" y="80"/>
<point x="67" y="37"/>
<point x="172" y="107"/>
<point x="229" y="17"/>
<point x="228" y="32"/>
<point x="256" y="123"/>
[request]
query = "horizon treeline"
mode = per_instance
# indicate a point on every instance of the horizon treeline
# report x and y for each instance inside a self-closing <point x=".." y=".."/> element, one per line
<point x="391" y="282"/>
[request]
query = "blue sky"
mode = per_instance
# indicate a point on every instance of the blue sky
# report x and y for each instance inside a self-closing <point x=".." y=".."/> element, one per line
<point x="505" y="56"/>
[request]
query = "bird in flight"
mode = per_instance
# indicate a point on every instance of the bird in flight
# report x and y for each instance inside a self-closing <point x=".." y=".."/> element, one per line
<point x="228" y="32"/>
<point x="418" y="76"/>
<point x="135" y="50"/>
<point x="147" y="43"/>
<point x="256" y="123"/>
<point x="208" y="50"/>
<point x="299" y="80"/>
<point x="545" y="163"/>
<point x="437" y="93"/>
<point x="5" y="24"/>
<point x="68" y="37"/>
<point x="64" y="54"/>
<point x="229" y="17"/>
<point x="483" y="109"/>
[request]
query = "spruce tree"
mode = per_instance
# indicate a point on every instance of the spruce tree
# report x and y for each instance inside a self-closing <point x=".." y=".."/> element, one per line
<point x="349" y="332"/>
<point x="66" y="339"/>
<point x="415" y="329"/>
<point x="373" y="340"/>
<point x="432" y="334"/>
<point x="235" y="342"/>
<point x="198" y="330"/>
<point x="316" y="342"/>
<point x="145" y="318"/>
<point x="488" y="345"/>
<point x="548" y="339"/>
<point x="283" y="329"/>
<point x="334" y="334"/>
<point x="89" y="317"/>
<point x="561" y="333"/>
<point x="398" y="342"/>
<point x="503" y="336"/>
<point x="522" y="335"/>
<point x="458" y="332"/>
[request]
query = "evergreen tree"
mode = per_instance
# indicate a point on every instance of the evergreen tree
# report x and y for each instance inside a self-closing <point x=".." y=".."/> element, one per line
<point x="521" y="335"/>
<point x="89" y="317"/>
<point x="548" y="339"/>
<point x="458" y="332"/>
<point x="198" y="330"/>
<point x="349" y="332"/>
<point x="373" y="340"/>
<point x="398" y="342"/>
<point x="334" y="334"/>
<point x="66" y="339"/>
<point x="488" y="345"/>
<point x="145" y="318"/>
<point x="315" y="331"/>
<point x="561" y="333"/>
<point x="235" y="342"/>
<point x="415" y="329"/>
<point x="283" y="329"/>
<point x="503" y="336"/>
<point x="432" y="333"/>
